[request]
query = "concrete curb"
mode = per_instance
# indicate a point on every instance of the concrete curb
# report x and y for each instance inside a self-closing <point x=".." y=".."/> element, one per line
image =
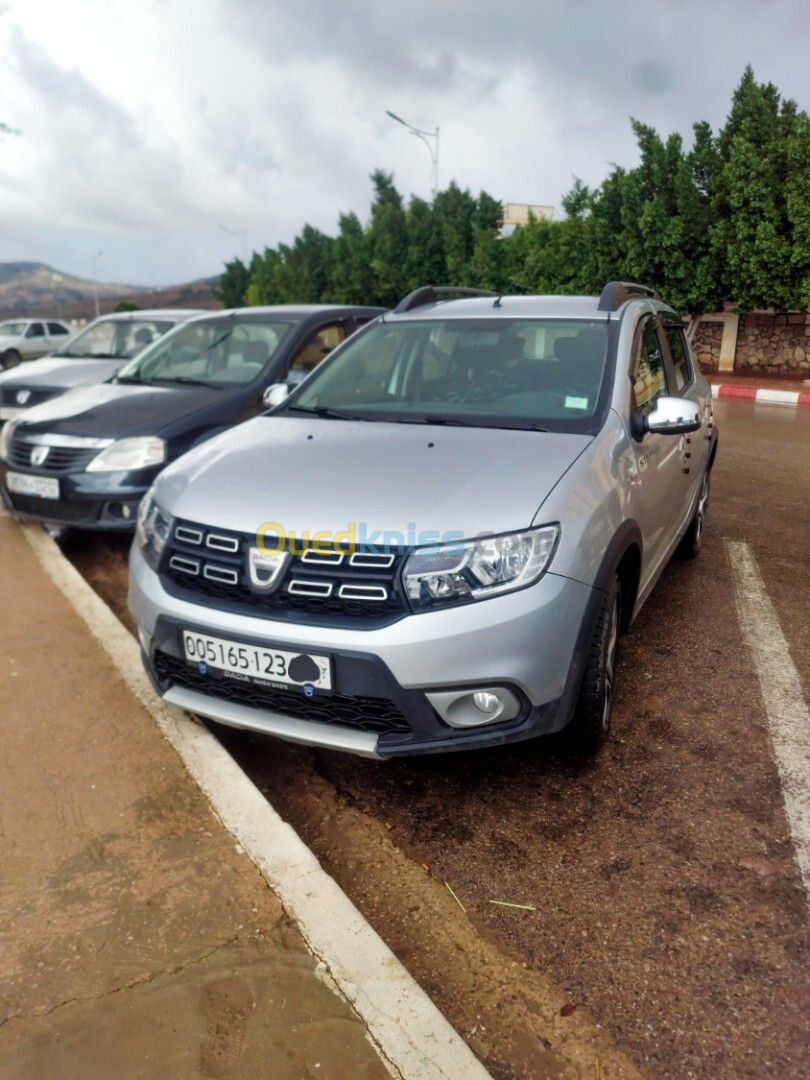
<point x="754" y="393"/>
<point x="412" y="1036"/>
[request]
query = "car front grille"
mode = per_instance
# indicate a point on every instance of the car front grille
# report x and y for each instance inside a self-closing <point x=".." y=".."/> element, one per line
<point x="35" y="397"/>
<point x="361" y="586"/>
<point x="376" y="715"/>
<point x="58" y="459"/>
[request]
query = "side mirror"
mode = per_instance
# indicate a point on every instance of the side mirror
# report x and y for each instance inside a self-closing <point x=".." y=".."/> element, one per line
<point x="673" y="416"/>
<point x="274" y="395"/>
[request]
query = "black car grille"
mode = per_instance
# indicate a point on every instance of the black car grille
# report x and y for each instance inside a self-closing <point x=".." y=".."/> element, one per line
<point x="360" y="586"/>
<point x="35" y="397"/>
<point x="376" y="715"/>
<point x="59" y="459"/>
<point x="72" y="513"/>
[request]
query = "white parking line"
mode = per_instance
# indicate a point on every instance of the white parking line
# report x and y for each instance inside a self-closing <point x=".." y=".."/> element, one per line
<point x="788" y="716"/>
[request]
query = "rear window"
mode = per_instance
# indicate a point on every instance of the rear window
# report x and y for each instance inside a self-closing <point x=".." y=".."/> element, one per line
<point x="117" y="339"/>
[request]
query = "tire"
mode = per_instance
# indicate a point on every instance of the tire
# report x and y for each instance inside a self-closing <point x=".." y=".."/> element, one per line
<point x="11" y="358"/>
<point x="692" y="540"/>
<point x="590" y="725"/>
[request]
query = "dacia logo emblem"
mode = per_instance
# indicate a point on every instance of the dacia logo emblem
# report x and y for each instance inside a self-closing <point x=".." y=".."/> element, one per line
<point x="23" y="396"/>
<point x="264" y="568"/>
<point x="39" y="454"/>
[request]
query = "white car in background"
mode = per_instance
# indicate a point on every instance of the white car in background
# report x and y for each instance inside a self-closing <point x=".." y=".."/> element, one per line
<point x="27" y="339"/>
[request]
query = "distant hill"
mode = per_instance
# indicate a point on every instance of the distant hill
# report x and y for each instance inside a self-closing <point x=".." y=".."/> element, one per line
<point x="12" y="270"/>
<point x="35" y="289"/>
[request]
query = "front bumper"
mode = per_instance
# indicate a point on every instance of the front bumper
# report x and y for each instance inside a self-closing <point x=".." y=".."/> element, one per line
<point x="531" y="643"/>
<point x="100" y="501"/>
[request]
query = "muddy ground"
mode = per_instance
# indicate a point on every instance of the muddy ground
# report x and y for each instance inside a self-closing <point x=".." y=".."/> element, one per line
<point x="665" y="898"/>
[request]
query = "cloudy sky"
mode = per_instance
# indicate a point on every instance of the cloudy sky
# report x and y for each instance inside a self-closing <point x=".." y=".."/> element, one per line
<point x="173" y="134"/>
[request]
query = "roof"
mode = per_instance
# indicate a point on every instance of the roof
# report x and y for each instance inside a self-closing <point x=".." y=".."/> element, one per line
<point x="510" y="307"/>
<point x="300" y="311"/>
<point x="523" y="307"/>
<point x="154" y="313"/>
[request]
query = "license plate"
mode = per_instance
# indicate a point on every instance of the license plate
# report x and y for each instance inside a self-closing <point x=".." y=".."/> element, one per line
<point x="7" y="413"/>
<point x="257" y="664"/>
<point x="44" y="487"/>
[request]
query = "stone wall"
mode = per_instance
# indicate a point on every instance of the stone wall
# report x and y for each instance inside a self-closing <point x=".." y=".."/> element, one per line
<point x="706" y="344"/>
<point x="774" y="344"/>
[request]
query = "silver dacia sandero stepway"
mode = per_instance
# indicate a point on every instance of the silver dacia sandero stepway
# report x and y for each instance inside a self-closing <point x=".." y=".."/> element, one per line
<point x="435" y="541"/>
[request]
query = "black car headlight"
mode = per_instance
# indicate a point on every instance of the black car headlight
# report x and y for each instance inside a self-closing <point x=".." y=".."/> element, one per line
<point x="153" y="529"/>
<point x="5" y="438"/>
<point x="129" y="455"/>
<point x="477" y="569"/>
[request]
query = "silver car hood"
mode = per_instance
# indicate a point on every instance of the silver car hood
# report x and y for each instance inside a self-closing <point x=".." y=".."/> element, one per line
<point x="55" y="371"/>
<point x="323" y="475"/>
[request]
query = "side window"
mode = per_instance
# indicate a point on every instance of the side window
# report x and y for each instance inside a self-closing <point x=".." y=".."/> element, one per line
<point x="35" y="330"/>
<point x="649" y="373"/>
<point x="57" y="328"/>
<point x="679" y="351"/>
<point x="318" y="348"/>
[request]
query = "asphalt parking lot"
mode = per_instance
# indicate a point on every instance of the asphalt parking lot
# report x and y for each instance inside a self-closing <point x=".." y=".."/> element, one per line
<point x="660" y="886"/>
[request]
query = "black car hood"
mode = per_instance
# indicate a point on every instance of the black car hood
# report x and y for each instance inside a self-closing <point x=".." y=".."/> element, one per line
<point x="113" y="410"/>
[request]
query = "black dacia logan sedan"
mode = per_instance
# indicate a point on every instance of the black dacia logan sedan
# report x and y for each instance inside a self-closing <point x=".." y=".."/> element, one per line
<point x="86" y="459"/>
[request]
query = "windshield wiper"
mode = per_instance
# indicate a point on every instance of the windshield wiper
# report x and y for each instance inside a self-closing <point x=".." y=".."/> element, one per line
<point x="439" y="420"/>
<point x="327" y="411"/>
<point x="455" y="421"/>
<point x="185" y="380"/>
<point x="96" y="356"/>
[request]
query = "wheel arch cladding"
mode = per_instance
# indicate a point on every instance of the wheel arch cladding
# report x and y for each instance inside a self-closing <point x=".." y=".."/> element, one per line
<point x="622" y="559"/>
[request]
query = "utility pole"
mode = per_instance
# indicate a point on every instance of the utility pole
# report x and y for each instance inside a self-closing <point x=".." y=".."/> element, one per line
<point x="96" y="257"/>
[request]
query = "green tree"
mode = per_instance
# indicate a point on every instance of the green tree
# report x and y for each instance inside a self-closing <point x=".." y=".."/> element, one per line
<point x="424" y="259"/>
<point x="387" y="240"/>
<point x="233" y="284"/>
<point x="454" y="212"/>
<point x="763" y="258"/>
<point x="351" y="276"/>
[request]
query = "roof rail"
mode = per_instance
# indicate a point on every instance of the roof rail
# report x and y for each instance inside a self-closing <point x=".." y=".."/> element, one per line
<point x="430" y="294"/>
<point x="616" y="293"/>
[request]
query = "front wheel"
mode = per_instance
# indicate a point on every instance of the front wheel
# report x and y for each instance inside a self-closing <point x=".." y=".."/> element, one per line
<point x="590" y="725"/>
<point x="692" y="540"/>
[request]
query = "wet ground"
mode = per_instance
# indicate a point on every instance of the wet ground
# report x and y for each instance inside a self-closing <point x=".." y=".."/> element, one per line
<point x="666" y="899"/>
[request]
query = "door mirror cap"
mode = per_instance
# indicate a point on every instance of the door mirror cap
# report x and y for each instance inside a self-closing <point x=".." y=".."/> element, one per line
<point x="274" y="395"/>
<point x="673" y="416"/>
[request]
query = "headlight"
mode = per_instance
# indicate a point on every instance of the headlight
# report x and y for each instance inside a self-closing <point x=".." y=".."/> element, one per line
<point x="5" y="438"/>
<point x="153" y="529"/>
<point x="126" y="455"/>
<point x="477" y="569"/>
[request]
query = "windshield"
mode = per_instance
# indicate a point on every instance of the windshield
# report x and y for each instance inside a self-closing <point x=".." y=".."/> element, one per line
<point x="521" y="373"/>
<point x="12" y="329"/>
<point x="116" y="339"/>
<point x="212" y="352"/>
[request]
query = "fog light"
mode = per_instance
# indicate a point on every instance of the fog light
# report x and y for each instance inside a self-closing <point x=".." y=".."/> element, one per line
<point x="486" y="702"/>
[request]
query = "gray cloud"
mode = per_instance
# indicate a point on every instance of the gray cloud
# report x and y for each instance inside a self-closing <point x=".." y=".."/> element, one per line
<point x="260" y="115"/>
